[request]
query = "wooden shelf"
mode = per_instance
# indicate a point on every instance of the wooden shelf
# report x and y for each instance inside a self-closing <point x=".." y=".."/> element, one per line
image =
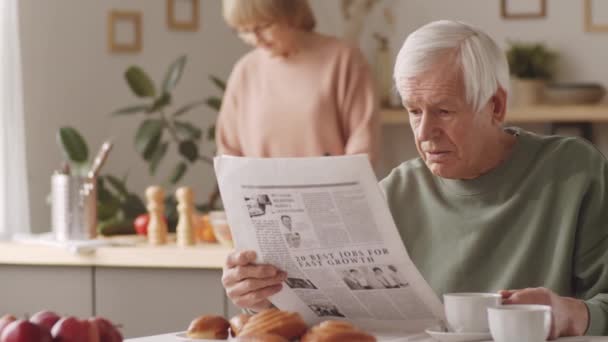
<point x="534" y="114"/>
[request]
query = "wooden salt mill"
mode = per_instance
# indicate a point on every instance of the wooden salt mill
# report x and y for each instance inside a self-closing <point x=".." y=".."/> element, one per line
<point x="185" y="208"/>
<point x="157" y="228"/>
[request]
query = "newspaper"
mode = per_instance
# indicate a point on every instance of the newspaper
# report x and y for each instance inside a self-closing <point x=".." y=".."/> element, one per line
<point x="326" y="223"/>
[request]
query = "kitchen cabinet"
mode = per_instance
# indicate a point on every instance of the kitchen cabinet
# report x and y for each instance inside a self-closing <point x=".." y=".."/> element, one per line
<point x="26" y="289"/>
<point x="150" y="301"/>
<point x="146" y="289"/>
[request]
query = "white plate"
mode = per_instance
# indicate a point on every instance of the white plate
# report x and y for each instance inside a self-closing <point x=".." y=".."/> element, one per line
<point x="182" y="336"/>
<point x="442" y="336"/>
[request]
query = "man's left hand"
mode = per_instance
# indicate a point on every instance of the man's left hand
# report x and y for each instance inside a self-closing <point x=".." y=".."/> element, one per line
<point x="570" y="316"/>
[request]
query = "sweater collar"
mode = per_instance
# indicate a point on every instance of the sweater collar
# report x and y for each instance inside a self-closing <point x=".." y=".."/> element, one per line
<point x="489" y="181"/>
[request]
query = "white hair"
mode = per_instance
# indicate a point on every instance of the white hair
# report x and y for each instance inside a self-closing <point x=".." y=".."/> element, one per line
<point x="484" y="65"/>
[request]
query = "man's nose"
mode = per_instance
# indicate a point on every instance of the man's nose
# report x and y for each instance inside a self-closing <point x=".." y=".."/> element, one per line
<point x="427" y="128"/>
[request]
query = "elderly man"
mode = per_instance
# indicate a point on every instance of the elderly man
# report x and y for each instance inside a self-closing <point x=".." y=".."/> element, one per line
<point x="484" y="208"/>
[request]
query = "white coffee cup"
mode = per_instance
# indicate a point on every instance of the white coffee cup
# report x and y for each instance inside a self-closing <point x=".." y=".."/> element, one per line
<point x="468" y="312"/>
<point x="521" y="323"/>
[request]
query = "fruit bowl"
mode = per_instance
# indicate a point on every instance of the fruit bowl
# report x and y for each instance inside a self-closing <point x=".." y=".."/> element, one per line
<point x="573" y="93"/>
<point x="221" y="229"/>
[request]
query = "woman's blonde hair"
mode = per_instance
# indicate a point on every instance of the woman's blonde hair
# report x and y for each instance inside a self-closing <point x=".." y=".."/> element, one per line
<point x="296" y="13"/>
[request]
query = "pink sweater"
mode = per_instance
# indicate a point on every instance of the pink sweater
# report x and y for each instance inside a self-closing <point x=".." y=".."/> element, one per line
<point x="319" y="101"/>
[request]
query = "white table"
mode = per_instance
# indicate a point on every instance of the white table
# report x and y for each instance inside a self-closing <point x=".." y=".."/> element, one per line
<point x="171" y="337"/>
<point x="417" y="338"/>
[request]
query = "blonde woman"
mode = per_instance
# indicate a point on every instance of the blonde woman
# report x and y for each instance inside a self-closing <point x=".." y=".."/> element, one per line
<point x="297" y="93"/>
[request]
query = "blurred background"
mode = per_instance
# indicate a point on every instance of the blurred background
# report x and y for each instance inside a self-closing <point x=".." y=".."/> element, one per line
<point x="71" y="76"/>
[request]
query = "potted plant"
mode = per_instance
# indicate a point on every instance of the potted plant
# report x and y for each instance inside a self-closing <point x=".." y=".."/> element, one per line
<point x="531" y="66"/>
<point x="117" y="206"/>
<point x="161" y="128"/>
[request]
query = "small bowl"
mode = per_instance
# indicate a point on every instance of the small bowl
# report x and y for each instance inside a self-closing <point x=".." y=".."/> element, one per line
<point x="221" y="229"/>
<point x="573" y="93"/>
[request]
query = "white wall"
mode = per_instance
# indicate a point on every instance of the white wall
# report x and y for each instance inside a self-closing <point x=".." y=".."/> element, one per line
<point x="582" y="58"/>
<point x="70" y="78"/>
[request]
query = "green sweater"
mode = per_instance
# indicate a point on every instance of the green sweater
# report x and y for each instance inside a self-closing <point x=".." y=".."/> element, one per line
<point x="540" y="219"/>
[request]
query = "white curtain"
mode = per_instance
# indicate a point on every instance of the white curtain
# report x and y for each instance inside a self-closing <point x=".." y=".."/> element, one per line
<point x="14" y="206"/>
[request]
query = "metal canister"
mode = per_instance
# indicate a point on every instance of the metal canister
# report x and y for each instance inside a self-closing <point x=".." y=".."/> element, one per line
<point x="74" y="207"/>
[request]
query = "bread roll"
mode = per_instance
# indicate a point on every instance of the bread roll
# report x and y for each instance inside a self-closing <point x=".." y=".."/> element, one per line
<point x="209" y="326"/>
<point x="238" y="322"/>
<point x="273" y="321"/>
<point x="335" y="331"/>
<point x="261" y="338"/>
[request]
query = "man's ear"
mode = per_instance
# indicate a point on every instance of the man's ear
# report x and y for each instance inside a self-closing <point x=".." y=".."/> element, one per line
<point x="499" y="106"/>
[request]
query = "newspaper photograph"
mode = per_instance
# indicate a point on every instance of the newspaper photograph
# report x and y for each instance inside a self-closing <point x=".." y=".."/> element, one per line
<point x="326" y="223"/>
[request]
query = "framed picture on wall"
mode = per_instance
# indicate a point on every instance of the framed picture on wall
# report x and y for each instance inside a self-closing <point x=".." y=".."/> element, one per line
<point x="523" y="9"/>
<point x="183" y="15"/>
<point x="124" y="31"/>
<point x="596" y="16"/>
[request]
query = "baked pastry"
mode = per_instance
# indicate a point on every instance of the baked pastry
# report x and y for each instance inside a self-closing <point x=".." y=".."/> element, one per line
<point x="209" y="326"/>
<point x="335" y="331"/>
<point x="274" y="321"/>
<point x="261" y="338"/>
<point x="238" y="322"/>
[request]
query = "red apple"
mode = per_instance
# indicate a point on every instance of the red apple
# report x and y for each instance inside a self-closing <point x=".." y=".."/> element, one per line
<point x="71" y="329"/>
<point x="107" y="330"/>
<point x="94" y="335"/>
<point x="6" y="320"/>
<point x="45" y="319"/>
<point x="141" y="224"/>
<point x="25" y="331"/>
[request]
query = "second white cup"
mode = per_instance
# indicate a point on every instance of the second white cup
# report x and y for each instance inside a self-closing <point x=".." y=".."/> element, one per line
<point x="521" y="323"/>
<point x="468" y="312"/>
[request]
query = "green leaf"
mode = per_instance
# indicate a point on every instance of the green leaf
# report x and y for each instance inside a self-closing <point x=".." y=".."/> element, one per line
<point x="157" y="157"/>
<point x="139" y="82"/>
<point x="160" y="103"/>
<point x="211" y="133"/>
<point x="133" y="206"/>
<point x="108" y="205"/>
<point x="187" y="108"/>
<point x="154" y="145"/>
<point x="174" y="74"/>
<point x="74" y="146"/>
<point x="148" y="137"/>
<point x="531" y="60"/>
<point x="187" y="130"/>
<point x="203" y="207"/>
<point x="214" y="103"/>
<point x="102" y="192"/>
<point x="131" y="110"/>
<point x="118" y="185"/>
<point x="171" y="212"/>
<point x="178" y="172"/>
<point x="107" y="209"/>
<point x="189" y="150"/>
<point x="221" y="85"/>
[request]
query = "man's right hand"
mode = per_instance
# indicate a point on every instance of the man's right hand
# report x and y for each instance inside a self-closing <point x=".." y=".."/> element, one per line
<point x="249" y="285"/>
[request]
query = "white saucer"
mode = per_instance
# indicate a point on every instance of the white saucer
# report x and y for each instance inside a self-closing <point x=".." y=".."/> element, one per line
<point x="182" y="336"/>
<point x="443" y="336"/>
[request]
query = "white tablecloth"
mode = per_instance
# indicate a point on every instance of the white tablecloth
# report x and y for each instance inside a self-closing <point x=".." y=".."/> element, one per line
<point x="418" y="338"/>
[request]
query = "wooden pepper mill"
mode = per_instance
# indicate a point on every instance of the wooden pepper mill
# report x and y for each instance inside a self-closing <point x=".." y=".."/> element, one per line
<point x="157" y="228"/>
<point x="185" y="208"/>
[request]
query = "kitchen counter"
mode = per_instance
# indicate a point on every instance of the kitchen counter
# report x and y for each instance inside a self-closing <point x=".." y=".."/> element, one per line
<point x="141" y="255"/>
<point x="131" y="283"/>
